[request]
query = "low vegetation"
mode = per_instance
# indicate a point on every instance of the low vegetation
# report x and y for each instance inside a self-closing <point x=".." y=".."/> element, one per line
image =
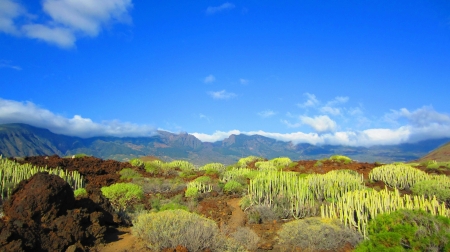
<point x="326" y="211"/>
<point x="128" y="173"/>
<point x="171" y="228"/>
<point x="406" y="230"/>
<point x="316" y="234"/>
<point x="123" y="195"/>
<point x="340" y="158"/>
<point x="80" y="192"/>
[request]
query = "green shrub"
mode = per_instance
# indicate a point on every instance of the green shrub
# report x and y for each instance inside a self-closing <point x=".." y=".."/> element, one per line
<point x="243" y="162"/>
<point x="187" y="174"/>
<point x="136" y="162"/>
<point x="181" y="164"/>
<point x="158" y="203"/>
<point x="266" y="166"/>
<point x="153" y="167"/>
<point x="340" y="158"/>
<point x="281" y="161"/>
<point x="433" y="166"/>
<point x="203" y="179"/>
<point x="80" y="192"/>
<point x="274" y="164"/>
<point x="128" y="173"/>
<point x="212" y="171"/>
<point x="168" y="229"/>
<point x="123" y="195"/>
<point x="432" y="187"/>
<point x="313" y="234"/>
<point x="233" y="186"/>
<point x="191" y="192"/>
<point x="155" y="203"/>
<point x="407" y="230"/>
<point x="446" y="164"/>
<point x="213" y="168"/>
<point x="293" y="164"/>
<point x="173" y="206"/>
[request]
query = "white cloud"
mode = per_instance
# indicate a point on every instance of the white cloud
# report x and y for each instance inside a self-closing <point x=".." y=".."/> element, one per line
<point x="310" y="102"/>
<point x="355" y="111"/>
<point x="330" y="110"/>
<point x="216" y="136"/>
<point x="421" y="117"/>
<point x="348" y="138"/>
<point x="214" y="9"/>
<point x="222" y="95"/>
<point x="424" y="123"/>
<point x="244" y="81"/>
<point x="319" y="123"/>
<point x="7" y="64"/>
<point x="9" y="10"/>
<point x="204" y="117"/>
<point x="209" y="79"/>
<point x="54" y="35"/>
<point x="29" y="113"/>
<point x="67" y="20"/>
<point x="266" y="113"/>
<point x="291" y="125"/>
<point x="338" y="100"/>
<point x="87" y="16"/>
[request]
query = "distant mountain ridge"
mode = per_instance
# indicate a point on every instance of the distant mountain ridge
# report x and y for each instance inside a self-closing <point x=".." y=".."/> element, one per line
<point x="25" y="140"/>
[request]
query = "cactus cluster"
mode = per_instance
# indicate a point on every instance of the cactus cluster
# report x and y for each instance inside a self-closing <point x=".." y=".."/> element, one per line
<point x="11" y="173"/>
<point x="402" y="176"/>
<point x="356" y="208"/>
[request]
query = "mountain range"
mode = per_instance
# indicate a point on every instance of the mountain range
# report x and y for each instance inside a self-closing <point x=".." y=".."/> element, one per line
<point x="19" y="140"/>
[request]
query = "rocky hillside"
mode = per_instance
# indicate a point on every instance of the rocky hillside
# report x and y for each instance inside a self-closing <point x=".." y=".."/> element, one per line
<point x="25" y="140"/>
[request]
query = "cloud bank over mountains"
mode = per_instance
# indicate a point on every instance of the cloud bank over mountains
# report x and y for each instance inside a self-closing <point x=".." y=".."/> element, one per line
<point x="62" y="22"/>
<point x="421" y="124"/>
<point x="29" y="113"/>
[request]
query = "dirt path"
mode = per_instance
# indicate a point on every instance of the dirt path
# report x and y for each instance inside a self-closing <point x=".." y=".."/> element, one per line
<point x="121" y="241"/>
<point x="237" y="216"/>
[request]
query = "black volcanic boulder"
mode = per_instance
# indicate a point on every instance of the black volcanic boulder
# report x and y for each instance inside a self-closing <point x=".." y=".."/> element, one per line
<point x="41" y="199"/>
<point x="43" y="215"/>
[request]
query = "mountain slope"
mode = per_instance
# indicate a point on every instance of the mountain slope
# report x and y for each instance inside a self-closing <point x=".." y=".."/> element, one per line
<point x="26" y="140"/>
<point x="441" y="154"/>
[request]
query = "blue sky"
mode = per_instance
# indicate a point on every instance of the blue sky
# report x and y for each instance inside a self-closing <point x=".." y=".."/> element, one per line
<point x="322" y="72"/>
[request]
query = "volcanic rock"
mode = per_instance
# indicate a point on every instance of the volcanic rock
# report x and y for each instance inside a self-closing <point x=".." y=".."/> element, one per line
<point x="43" y="215"/>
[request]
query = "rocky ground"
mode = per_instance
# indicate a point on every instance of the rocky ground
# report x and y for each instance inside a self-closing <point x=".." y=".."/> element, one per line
<point x="43" y="215"/>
